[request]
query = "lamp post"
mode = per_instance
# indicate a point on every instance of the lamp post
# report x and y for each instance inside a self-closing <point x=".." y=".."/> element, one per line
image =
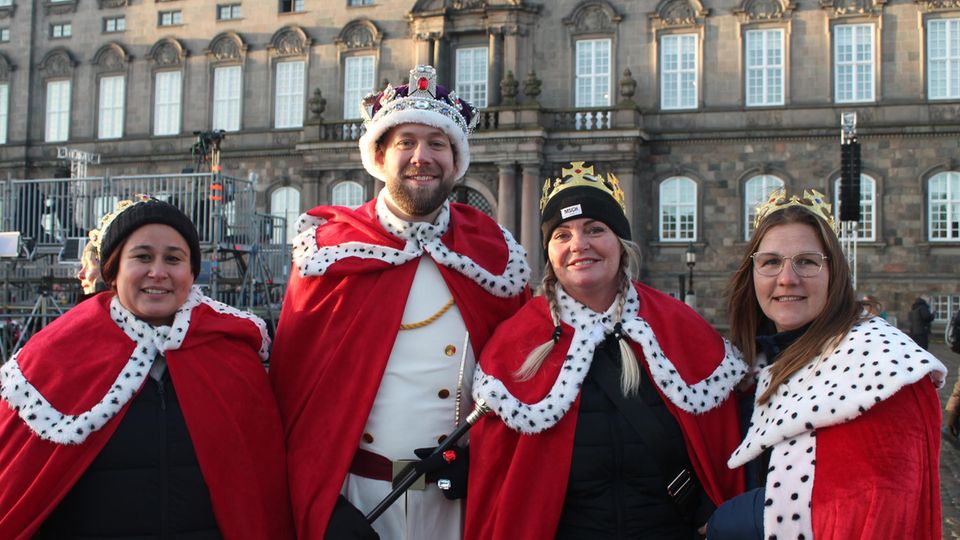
<point x="691" y="258"/>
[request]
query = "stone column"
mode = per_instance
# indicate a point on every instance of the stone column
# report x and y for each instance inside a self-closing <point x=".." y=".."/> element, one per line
<point x="628" y="183"/>
<point x="494" y="66"/>
<point x="507" y="197"/>
<point x="530" y="217"/>
<point x="423" y="52"/>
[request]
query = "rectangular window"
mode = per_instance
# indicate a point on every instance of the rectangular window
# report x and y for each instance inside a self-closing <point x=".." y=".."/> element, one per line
<point x="170" y="18"/>
<point x="114" y="24"/>
<point x="291" y="6"/>
<point x="944" y="207"/>
<point x="764" y="67"/>
<point x="6" y="3"/>
<point x="58" y="111"/>
<point x="593" y="73"/>
<point x="370" y="3"/>
<point x="944" y="306"/>
<point x="61" y="30"/>
<point x="226" y="12"/>
<point x="166" y="103"/>
<point x="853" y="63"/>
<point x="112" y="98"/>
<point x="471" y="82"/>
<point x="678" y="72"/>
<point x="357" y="82"/>
<point x="226" y="98"/>
<point x="289" y="95"/>
<point x="4" y="108"/>
<point x="4" y="35"/>
<point x="943" y="59"/>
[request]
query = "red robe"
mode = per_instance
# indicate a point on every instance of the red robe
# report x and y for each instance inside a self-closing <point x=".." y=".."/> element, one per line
<point x="222" y="389"/>
<point x="336" y="333"/>
<point x="518" y="481"/>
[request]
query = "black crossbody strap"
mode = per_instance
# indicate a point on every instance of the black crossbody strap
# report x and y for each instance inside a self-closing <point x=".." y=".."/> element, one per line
<point x="674" y="467"/>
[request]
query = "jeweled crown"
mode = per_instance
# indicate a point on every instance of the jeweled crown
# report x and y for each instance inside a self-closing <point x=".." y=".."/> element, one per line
<point x="421" y="93"/>
<point x="581" y="174"/>
<point x="813" y="201"/>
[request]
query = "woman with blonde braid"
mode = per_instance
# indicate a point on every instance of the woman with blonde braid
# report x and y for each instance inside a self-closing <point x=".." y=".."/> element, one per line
<point x="612" y="400"/>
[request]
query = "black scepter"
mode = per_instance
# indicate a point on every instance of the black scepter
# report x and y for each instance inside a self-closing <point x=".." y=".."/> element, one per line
<point x="480" y="409"/>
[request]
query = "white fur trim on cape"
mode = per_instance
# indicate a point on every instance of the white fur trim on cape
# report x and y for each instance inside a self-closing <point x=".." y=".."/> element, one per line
<point x="590" y="328"/>
<point x="870" y="364"/>
<point x="412" y="115"/>
<point x="52" y="425"/>
<point x="314" y="260"/>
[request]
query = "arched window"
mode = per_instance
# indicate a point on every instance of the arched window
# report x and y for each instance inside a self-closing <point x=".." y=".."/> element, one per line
<point x="867" y="226"/>
<point x="755" y="191"/>
<point x="943" y="207"/>
<point x="285" y="203"/>
<point x="678" y="210"/>
<point x="347" y="193"/>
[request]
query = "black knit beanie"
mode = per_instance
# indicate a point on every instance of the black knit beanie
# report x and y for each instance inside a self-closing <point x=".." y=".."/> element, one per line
<point x="147" y="211"/>
<point x="583" y="202"/>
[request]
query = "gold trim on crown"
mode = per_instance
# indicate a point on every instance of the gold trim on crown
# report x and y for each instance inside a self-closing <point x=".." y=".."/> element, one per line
<point x="580" y="174"/>
<point x="813" y="201"/>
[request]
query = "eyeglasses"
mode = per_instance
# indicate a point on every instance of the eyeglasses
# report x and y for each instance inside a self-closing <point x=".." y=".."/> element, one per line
<point x="807" y="264"/>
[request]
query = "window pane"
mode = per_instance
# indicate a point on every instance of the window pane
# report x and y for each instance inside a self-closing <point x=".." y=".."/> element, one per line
<point x="853" y="62"/>
<point x="357" y="82"/>
<point x="348" y="194"/>
<point x="943" y="59"/>
<point x="866" y="227"/>
<point x="678" y="71"/>
<point x="285" y="203"/>
<point x="58" y="111"/>
<point x="289" y="92"/>
<point x="226" y="98"/>
<point x="678" y="210"/>
<point x="944" y="207"/>
<point x="166" y="110"/>
<point x="764" y="67"/>
<point x="471" y="82"/>
<point x="111" y="107"/>
<point x="4" y="109"/>
<point x="593" y="73"/>
<point x="756" y="191"/>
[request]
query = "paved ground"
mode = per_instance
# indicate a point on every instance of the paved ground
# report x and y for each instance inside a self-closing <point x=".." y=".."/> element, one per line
<point x="949" y="453"/>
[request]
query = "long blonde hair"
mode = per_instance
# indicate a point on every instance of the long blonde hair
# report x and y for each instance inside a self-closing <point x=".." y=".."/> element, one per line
<point x="628" y="271"/>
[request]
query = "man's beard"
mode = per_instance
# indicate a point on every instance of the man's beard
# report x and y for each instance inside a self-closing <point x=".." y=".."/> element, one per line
<point x="418" y="200"/>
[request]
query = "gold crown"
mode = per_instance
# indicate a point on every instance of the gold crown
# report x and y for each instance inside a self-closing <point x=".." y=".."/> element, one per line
<point x="813" y="201"/>
<point x="581" y="174"/>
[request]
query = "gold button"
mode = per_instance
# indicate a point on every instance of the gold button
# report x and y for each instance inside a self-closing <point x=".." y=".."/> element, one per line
<point x="441" y="438"/>
<point x="450" y="350"/>
<point x="367" y="438"/>
<point x="443" y="393"/>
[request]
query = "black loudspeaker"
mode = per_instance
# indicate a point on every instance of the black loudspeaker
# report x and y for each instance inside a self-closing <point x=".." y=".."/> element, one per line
<point x="850" y="181"/>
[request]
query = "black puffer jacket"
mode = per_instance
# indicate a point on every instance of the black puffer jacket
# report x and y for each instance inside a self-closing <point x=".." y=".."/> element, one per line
<point x="144" y="484"/>
<point x="617" y="489"/>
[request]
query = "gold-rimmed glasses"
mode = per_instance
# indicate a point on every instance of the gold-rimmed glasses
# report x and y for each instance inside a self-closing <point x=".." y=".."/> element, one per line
<point x="806" y="264"/>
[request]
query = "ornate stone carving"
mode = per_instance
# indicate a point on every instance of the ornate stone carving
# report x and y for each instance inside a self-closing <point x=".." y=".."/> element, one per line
<point x="593" y="17"/>
<point x="7" y="11"/>
<point x="508" y="89"/>
<point x="532" y="86"/>
<point x="467" y="4"/>
<point x="113" y="3"/>
<point x="289" y="41"/>
<point x="5" y="68"/>
<point x="628" y="85"/>
<point x="111" y="57"/>
<point x="872" y="8"/>
<point x="317" y="104"/>
<point x="678" y="13"/>
<point x="936" y="5"/>
<point x="57" y="63"/>
<point x="359" y="34"/>
<point x="764" y="10"/>
<point x="226" y="47"/>
<point x="167" y="52"/>
<point x="59" y="8"/>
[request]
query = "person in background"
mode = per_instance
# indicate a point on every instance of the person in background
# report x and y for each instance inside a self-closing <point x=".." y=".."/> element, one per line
<point x="144" y="412"/>
<point x="952" y="418"/>
<point x="874" y="307"/>
<point x="91" y="282"/>
<point x="844" y="435"/>
<point x="921" y="317"/>
<point x="370" y="361"/>
<point x="613" y="401"/>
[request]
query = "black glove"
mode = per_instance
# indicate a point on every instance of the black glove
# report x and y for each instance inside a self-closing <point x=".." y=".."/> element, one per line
<point x="448" y="469"/>
<point x="348" y="523"/>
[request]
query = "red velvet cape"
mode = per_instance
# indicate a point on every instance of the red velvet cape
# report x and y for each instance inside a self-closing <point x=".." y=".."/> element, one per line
<point x="222" y="389"/>
<point x="878" y="475"/>
<point x="518" y="482"/>
<point x="335" y="335"/>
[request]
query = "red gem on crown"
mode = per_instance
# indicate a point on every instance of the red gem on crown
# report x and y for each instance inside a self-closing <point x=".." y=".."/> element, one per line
<point x="422" y="83"/>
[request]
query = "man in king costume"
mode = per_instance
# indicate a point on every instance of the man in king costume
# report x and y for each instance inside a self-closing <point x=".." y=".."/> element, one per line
<point x="386" y="309"/>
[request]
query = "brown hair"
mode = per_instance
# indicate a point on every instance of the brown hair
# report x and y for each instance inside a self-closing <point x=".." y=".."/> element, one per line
<point x="840" y="313"/>
<point x="111" y="267"/>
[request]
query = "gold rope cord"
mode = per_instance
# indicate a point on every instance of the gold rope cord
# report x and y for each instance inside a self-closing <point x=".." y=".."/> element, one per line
<point x="428" y="320"/>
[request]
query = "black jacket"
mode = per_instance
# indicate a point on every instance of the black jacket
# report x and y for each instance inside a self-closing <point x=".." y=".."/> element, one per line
<point x="920" y="318"/>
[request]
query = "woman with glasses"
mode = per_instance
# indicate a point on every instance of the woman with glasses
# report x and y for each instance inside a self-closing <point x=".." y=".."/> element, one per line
<point x="844" y="436"/>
